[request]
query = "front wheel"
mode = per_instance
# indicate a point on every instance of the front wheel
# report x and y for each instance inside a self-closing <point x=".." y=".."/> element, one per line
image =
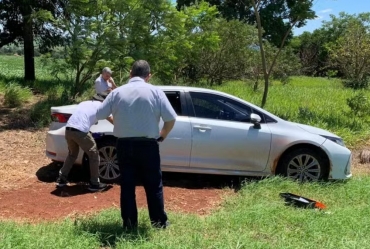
<point x="305" y="164"/>
<point x="108" y="167"/>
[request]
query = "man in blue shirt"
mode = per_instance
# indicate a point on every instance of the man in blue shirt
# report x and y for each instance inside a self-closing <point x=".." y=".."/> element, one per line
<point x="137" y="108"/>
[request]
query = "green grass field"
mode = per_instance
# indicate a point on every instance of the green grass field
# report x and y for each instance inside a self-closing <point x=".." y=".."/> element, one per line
<point x="254" y="218"/>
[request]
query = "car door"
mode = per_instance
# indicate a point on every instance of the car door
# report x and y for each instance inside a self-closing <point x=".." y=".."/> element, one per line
<point x="175" y="150"/>
<point x="223" y="136"/>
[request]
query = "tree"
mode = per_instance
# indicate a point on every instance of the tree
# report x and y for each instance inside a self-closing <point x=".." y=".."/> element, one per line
<point x="21" y="21"/>
<point x="272" y="14"/>
<point x="297" y="12"/>
<point x="351" y="51"/>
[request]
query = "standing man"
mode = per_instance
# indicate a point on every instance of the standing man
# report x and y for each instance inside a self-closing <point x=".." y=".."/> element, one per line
<point x="78" y="135"/>
<point x="137" y="108"/>
<point x="105" y="82"/>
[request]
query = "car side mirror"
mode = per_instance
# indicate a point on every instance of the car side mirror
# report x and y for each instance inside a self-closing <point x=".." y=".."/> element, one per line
<point x="256" y="119"/>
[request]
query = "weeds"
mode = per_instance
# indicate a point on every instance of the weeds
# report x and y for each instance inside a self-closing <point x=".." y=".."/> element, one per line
<point x="15" y="95"/>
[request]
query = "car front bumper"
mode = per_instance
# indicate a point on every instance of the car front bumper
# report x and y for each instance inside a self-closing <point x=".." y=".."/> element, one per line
<point x="340" y="160"/>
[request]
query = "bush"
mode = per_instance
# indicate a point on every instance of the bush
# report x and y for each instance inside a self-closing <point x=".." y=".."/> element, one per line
<point x="359" y="104"/>
<point x="356" y="83"/>
<point x="15" y="95"/>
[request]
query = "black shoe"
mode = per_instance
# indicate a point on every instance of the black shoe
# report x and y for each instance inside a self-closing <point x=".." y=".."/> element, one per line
<point x="97" y="187"/>
<point x="61" y="182"/>
<point x="161" y="225"/>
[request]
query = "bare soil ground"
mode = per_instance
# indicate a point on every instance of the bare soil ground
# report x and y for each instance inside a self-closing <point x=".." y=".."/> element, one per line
<point x="27" y="188"/>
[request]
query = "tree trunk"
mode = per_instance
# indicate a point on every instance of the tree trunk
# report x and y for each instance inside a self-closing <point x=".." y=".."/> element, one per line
<point x="263" y="56"/>
<point x="29" y="61"/>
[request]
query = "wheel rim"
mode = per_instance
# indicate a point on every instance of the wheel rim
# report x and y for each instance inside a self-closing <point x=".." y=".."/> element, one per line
<point x="304" y="168"/>
<point x="108" y="167"/>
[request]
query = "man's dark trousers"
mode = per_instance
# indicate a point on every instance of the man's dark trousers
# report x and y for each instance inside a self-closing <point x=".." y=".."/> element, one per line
<point x="139" y="158"/>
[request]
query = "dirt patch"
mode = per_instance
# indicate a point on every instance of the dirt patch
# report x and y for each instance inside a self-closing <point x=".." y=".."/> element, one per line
<point x="24" y="197"/>
<point x="21" y="155"/>
<point x="44" y="202"/>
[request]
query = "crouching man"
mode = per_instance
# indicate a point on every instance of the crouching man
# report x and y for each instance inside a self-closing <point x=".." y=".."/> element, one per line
<point x="78" y="135"/>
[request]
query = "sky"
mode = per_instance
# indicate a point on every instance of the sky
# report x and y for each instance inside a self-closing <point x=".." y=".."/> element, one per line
<point x="325" y="8"/>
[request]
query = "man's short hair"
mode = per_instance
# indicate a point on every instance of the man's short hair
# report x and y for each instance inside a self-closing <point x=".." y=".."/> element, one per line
<point x="107" y="70"/>
<point x="140" y="69"/>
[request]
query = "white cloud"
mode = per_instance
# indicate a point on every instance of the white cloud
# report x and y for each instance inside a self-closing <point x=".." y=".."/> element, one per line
<point x="319" y="17"/>
<point x="326" y="11"/>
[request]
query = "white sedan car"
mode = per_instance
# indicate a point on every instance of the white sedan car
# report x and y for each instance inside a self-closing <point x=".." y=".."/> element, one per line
<point x="217" y="133"/>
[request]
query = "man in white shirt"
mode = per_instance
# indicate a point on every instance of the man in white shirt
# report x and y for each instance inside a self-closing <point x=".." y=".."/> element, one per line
<point x="78" y="135"/>
<point x="105" y="82"/>
<point x="137" y="108"/>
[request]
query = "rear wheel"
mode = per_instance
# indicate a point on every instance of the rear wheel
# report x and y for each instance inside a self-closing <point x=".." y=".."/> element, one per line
<point x="108" y="167"/>
<point x="304" y="164"/>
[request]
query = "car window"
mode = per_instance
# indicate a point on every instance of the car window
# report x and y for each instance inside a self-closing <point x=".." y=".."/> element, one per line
<point x="174" y="98"/>
<point x="217" y="107"/>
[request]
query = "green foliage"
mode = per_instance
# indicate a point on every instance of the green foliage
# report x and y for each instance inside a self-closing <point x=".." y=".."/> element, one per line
<point x="351" y="51"/>
<point x="277" y="15"/>
<point x="357" y="83"/>
<point x="255" y="217"/>
<point x="40" y="13"/>
<point x="15" y="95"/>
<point x="359" y="104"/>
<point x="40" y="112"/>
<point x="231" y="56"/>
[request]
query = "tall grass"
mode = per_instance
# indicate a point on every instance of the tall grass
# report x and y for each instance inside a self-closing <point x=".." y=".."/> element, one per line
<point x="254" y="218"/>
<point x="15" y="95"/>
<point x="319" y="102"/>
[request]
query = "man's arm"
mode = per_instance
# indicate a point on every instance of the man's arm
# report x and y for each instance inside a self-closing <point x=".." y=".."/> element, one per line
<point x="105" y="110"/>
<point x="166" y="129"/>
<point x="114" y="86"/>
<point x="168" y="115"/>
<point x="110" y="119"/>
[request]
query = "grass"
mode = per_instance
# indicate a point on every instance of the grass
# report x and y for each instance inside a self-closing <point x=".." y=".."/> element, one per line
<point x="15" y="95"/>
<point x="254" y="218"/>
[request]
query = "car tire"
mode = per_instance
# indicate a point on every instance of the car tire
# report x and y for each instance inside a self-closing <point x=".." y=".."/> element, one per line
<point x="108" y="168"/>
<point x="304" y="164"/>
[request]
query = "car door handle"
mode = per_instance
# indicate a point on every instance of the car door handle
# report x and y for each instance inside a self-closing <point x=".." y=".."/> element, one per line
<point x="202" y="128"/>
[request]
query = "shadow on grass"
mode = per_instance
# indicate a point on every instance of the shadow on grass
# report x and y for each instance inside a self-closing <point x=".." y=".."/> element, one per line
<point x="109" y="233"/>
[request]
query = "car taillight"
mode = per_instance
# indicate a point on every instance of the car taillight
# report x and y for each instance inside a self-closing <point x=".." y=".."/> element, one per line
<point x="60" y="117"/>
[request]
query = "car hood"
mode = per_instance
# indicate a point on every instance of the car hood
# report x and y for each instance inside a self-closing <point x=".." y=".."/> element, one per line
<point x="315" y="130"/>
<point x="67" y="109"/>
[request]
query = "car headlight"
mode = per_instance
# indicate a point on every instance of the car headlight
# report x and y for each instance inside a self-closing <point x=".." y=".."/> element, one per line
<point x="335" y="140"/>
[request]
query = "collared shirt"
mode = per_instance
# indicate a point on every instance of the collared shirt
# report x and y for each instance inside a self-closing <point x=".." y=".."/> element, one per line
<point x="84" y="116"/>
<point x="102" y="85"/>
<point x="137" y="108"/>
